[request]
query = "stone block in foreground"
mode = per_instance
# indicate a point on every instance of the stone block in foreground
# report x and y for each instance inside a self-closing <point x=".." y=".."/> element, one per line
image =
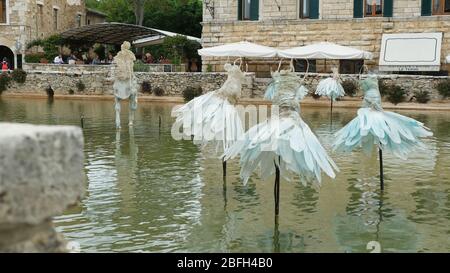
<point x="41" y="174"/>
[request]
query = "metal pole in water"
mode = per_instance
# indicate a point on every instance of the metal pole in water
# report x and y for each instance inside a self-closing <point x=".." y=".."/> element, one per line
<point x="380" y="152"/>
<point x="277" y="190"/>
<point x="276" y="236"/>
<point x="331" y="113"/>
<point x="82" y="121"/>
<point x="225" y="201"/>
<point x="224" y="167"/>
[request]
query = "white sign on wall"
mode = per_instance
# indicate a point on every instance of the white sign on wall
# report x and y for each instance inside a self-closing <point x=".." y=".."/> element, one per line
<point x="411" y="52"/>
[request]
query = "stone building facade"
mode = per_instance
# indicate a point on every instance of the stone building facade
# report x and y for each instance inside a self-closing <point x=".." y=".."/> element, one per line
<point x="22" y="21"/>
<point x="291" y="23"/>
<point x="95" y="17"/>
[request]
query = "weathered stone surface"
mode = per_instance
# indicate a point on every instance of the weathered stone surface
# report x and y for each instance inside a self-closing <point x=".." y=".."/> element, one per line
<point x="280" y="25"/>
<point x="31" y="19"/>
<point x="409" y="83"/>
<point x="41" y="172"/>
<point x="98" y="81"/>
<point x="35" y="238"/>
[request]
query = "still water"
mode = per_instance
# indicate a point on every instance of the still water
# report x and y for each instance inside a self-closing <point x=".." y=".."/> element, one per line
<point x="149" y="193"/>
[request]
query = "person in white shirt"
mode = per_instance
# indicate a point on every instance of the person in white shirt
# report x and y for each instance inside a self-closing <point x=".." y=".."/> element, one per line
<point x="58" y="60"/>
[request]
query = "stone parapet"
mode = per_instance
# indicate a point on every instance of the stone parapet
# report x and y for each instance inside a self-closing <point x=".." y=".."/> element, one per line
<point x="41" y="175"/>
<point x="79" y="69"/>
<point x="97" y="81"/>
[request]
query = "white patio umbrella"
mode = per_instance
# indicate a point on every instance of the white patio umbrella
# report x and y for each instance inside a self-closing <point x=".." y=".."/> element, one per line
<point x="325" y="50"/>
<point x="240" y="49"/>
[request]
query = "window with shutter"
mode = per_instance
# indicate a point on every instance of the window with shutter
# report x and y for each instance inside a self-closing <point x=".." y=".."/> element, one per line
<point x="308" y="9"/>
<point x="304" y="9"/>
<point x="303" y="65"/>
<point x="239" y="9"/>
<point x="358" y="8"/>
<point x="55" y="19"/>
<point x="2" y="11"/>
<point x="426" y="8"/>
<point x="350" y="66"/>
<point x="314" y="9"/>
<point x="254" y="10"/>
<point x="388" y="8"/>
<point x="248" y="10"/>
<point x="373" y="8"/>
<point x="440" y="7"/>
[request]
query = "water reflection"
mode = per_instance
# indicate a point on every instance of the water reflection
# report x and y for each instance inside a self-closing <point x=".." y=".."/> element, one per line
<point x="371" y="217"/>
<point x="148" y="192"/>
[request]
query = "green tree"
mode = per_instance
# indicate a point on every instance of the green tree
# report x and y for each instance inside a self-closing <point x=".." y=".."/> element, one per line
<point x="117" y="10"/>
<point x="139" y="11"/>
<point x="51" y="45"/>
<point x="179" y="48"/>
<point x="180" y="16"/>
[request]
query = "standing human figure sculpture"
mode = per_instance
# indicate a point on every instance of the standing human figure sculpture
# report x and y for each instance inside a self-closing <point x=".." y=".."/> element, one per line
<point x="125" y="86"/>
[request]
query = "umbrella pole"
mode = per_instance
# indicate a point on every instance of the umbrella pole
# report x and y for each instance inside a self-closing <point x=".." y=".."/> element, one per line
<point x="224" y="167"/>
<point x="276" y="190"/>
<point x="380" y="152"/>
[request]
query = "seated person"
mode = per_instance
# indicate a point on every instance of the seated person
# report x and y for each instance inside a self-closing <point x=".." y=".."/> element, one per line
<point x="148" y="58"/>
<point x="72" y="59"/>
<point x="96" y="60"/>
<point x="58" y="59"/>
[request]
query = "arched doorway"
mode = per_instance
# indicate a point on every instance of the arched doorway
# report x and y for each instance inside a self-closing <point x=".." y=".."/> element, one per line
<point x="7" y="53"/>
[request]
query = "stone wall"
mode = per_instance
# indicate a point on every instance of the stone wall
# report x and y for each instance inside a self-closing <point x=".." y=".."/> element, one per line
<point x="20" y="13"/>
<point x="337" y="9"/>
<point x="93" y="18"/>
<point x="174" y="83"/>
<point x="41" y="174"/>
<point x="64" y="78"/>
<point x="42" y="20"/>
<point x="101" y="83"/>
<point x="409" y="83"/>
<point x="36" y="22"/>
<point x="282" y="28"/>
<point x="27" y="23"/>
<point x="364" y="34"/>
<point x="226" y="10"/>
<point x="66" y="68"/>
<point x="407" y="8"/>
<point x="98" y="81"/>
